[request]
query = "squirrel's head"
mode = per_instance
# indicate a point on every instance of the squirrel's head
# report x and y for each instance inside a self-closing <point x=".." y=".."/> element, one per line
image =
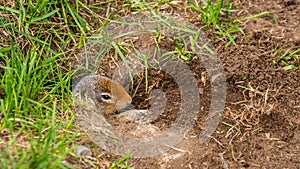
<point x="111" y="95"/>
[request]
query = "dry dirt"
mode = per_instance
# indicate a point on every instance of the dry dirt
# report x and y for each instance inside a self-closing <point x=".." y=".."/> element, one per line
<point x="259" y="128"/>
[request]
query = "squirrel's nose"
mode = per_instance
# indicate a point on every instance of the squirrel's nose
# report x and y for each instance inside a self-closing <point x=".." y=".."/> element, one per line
<point x="128" y="107"/>
<point x="121" y="104"/>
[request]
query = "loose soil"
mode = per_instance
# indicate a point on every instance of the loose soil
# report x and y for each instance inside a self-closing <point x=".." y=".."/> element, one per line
<point x="260" y="128"/>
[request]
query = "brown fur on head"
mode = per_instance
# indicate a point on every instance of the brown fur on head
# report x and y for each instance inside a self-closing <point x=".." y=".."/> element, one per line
<point x="111" y="95"/>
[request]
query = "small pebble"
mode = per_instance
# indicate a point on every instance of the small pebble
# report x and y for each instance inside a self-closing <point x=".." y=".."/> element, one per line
<point x="82" y="151"/>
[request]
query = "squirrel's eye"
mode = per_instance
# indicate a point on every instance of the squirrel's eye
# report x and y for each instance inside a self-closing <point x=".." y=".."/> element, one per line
<point x="105" y="96"/>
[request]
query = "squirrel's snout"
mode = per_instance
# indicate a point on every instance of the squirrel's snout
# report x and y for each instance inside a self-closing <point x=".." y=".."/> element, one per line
<point x="122" y="104"/>
<point x="129" y="106"/>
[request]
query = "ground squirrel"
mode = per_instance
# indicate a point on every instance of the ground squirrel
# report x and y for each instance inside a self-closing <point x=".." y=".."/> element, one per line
<point x="96" y="96"/>
<point x="111" y="96"/>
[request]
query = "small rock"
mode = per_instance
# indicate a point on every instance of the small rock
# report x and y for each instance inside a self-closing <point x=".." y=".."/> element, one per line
<point x="82" y="151"/>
